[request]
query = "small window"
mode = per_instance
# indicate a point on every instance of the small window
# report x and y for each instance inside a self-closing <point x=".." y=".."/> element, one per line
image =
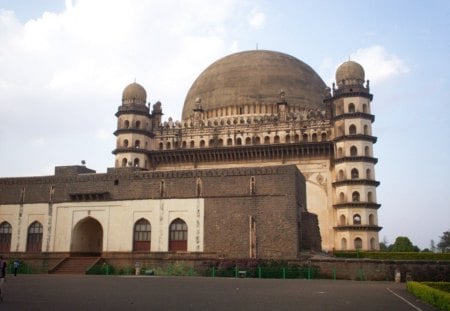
<point x="138" y="124"/>
<point x="353" y="151"/>
<point x="369" y="197"/>
<point x="34" y="239"/>
<point x="5" y="237"/>
<point x="305" y="137"/>
<point x="257" y="140"/>
<point x="351" y="108"/>
<point x="248" y="141"/>
<point x="178" y="233"/>
<point x="296" y="138"/>
<point x="314" y="137"/>
<point x="288" y="139"/>
<point x="355" y="173"/>
<point x="137" y="144"/>
<point x="124" y="162"/>
<point x="142" y="236"/>
<point x="340" y="152"/>
<point x="342" y="197"/>
<point x="168" y="145"/>
<point x="161" y="146"/>
<point x="125" y="143"/>
<point x="202" y="143"/>
<point x="352" y="129"/>
<point x="323" y="137"/>
<point x="199" y="187"/>
<point x="266" y="140"/>
<point x="368" y="174"/>
<point x="366" y="130"/>
<point x="355" y="196"/>
<point x="229" y="142"/>
<point x="367" y="151"/>
<point x="358" y="243"/>
<point x="192" y="144"/>
<point x="126" y="124"/>
<point x="276" y="139"/>
<point x="341" y="175"/>
<point x="371" y="219"/>
<point x="342" y="220"/>
<point x="344" y="244"/>
<point x="238" y="141"/>
<point x="136" y="162"/>
<point x="356" y="219"/>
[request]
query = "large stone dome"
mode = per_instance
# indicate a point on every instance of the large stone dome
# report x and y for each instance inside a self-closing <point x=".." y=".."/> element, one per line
<point x="134" y="93"/>
<point x="255" y="77"/>
<point x="350" y="72"/>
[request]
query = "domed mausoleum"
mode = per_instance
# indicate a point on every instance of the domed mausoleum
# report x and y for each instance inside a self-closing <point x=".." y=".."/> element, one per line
<point x="266" y="162"/>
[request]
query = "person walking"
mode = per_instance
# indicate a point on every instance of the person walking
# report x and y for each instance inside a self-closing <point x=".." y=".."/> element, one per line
<point x="16" y="265"/>
<point x="2" y="276"/>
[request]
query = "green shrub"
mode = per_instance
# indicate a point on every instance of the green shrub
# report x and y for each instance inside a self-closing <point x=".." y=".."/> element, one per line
<point x="433" y="296"/>
<point x="443" y="286"/>
<point x="394" y="255"/>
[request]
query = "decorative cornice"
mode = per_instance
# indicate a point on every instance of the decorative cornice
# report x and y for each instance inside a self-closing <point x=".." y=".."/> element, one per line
<point x="371" y="205"/>
<point x="355" y="159"/>
<point x="365" y="182"/>
<point x="355" y="115"/>
<point x="370" y="138"/>
<point x="134" y="131"/>
<point x="358" y="228"/>
<point x="129" y="150"/>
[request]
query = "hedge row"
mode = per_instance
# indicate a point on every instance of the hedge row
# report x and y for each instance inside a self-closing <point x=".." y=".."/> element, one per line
<point x="433" y="296"/>
<point x="394" y="255"/>
<point x="443" y="286"/>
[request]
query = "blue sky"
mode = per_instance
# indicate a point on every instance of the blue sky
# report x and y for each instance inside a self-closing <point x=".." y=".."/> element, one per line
<point x="64" y="64"/>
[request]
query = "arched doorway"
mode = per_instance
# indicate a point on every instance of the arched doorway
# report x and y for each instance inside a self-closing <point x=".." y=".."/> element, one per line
<point x="87" y="236"/>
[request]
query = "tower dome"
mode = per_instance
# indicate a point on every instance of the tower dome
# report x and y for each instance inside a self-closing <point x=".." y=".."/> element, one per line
<point x="350" y="72"/>
<point x="134" y="93"/>
<point x="255" y="77"/>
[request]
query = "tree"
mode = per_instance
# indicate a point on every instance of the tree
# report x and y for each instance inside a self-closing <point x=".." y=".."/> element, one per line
<point x="444" y="243"/>
<point x="403" y="244"/>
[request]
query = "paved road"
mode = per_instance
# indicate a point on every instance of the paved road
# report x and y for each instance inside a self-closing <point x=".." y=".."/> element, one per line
<point x="68" y="292"/>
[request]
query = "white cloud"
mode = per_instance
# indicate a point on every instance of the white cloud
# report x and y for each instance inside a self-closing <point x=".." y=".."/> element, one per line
<point x="257" y="19"/>
<point x="379" y="65"/>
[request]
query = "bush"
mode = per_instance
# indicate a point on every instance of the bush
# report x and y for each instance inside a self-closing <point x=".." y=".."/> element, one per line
<point x="394" y="255"/>
<point x="433" y="296"/>
<point x="443" y="286"/>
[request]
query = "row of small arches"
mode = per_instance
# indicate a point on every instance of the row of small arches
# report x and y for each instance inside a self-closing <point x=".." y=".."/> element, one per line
<point x="256" y="140"/>
<point x="353" y="130"/>
<point x="351" y="108"/>
<point x="137" y="144"/>
<point x="178" y="232"/>
<point x="356" y="220"/>
<point x="353" y="151"/>
<point x="356" y="197"/>
<point x="354" y="174"/>
<point x="358" y="243"/>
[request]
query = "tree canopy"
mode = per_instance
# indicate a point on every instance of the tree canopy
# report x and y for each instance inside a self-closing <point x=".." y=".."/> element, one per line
<point x="403" y="244"/>
<point x="444" y="243"/>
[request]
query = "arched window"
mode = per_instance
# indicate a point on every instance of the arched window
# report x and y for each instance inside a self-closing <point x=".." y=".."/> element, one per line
<point x="352" y="129"/>
<point x="229" y="142"/>
<point x="340" y="130"/>
<point x="161" y="146"/>
<point x="202" y="143"/>
<point x="248" y="141"/>
<point x="126" y="124"/>
<point x="358" y="243"/>
<point x="257" y="140"/>
<point x="344" y="244"/>
<point x="341" y="175"/>
<point x="288" y="139"/>
<point x="192" y="144"/>
<point x="220" y="142"/>
<point x="356" y="219"/>
<point x="124" y="162"/>
<point x="323" y="137"/>
<point x="353" y="151"/>
<point x="355" y="173"/>
<point x="34" y="239"/>
<point x="371" y="219"/>
<point x="368" y="174"/>
<point x="342" y="197"/>
<point x="296" y="138"/>
<point x="366" y="130"/>
<point x="138" y="124"/>
<point x="355" y="196"/>
<point x="142" y="235"/>
<point x="136" y="162"/>
<point x="168" y="145"/>
<point x="5" y="237"/>
<point x="372" y="244"/>
<point x="211" y="143"/>
<point x="176" y="145"/>
<point x="125" y="143"/>
<point x="305" y="137"/>
<point x="340" y="152"/>
<point x="351" y="108"/>
<point x="178" y="236"/>
<point x="184" y="144"/>
<point x="342" y="220"/>
<point x="364" y="106"/>
<point x="369" y="197"/>
<point x="266" y="140"/>
<point x="238" y="141"/>
<point x="367" y="151"/>
<point x="137" y="144"/>
<point x="276" y="139"/>
<point x="314" y="137"/>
